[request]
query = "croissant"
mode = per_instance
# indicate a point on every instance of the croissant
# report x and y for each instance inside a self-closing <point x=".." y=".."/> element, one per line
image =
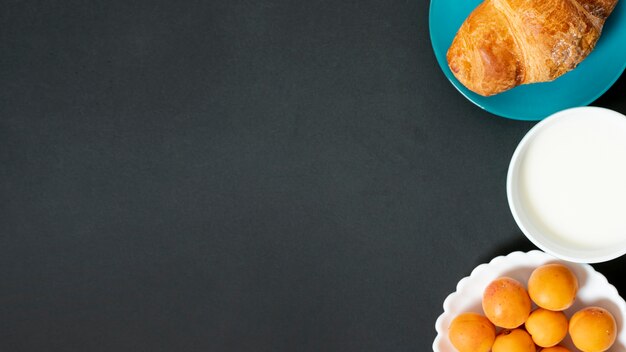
<point x="506" y="43"/>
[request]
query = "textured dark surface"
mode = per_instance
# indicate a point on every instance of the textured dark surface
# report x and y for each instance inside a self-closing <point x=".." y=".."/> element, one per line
<point x="240" y="176"/>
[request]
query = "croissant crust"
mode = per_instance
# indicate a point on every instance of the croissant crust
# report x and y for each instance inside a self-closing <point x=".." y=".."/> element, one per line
<point x="506" y="43"/>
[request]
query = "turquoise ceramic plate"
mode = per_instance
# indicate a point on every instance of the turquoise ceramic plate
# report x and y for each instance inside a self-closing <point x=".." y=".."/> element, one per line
<point x="578" y="87"/>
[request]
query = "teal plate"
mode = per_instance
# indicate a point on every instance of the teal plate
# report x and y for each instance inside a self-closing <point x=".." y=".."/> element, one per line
<point x="532" y="102"/>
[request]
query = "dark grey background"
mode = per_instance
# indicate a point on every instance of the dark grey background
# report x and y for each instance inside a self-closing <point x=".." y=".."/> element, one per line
<point x="240" y="176"/>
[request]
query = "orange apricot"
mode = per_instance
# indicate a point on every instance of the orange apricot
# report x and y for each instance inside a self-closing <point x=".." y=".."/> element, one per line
<point x="516" y="340"/>
<point x="553" y="286"/>
<point x="593" y="329"/>
<point x="471" y="332"/>
<point x="555" y="349"/>
<point x="506" y="303"/>
<point x="547" y="328"/>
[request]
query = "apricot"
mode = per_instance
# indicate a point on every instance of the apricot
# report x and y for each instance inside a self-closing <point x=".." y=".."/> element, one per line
<point x="547" y="328"/>
<point x="471" y="332"/>
<point x="555" y="349"/>
<point x="516" y="340"/>
<point x="553" y="286"/>
<point x="506" y="303"/>
<point x="593" y="329"/>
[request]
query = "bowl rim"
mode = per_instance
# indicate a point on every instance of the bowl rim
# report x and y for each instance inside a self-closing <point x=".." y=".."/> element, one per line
<point x="511" y="183"/>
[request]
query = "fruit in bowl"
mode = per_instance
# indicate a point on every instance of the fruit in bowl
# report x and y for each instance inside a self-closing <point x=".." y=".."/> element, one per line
<point x="547" y="327"/>
<point x="593" y="329"/>
<point x="548" y="330"/>
<point x="506" y="303"/>
<point x="553" y="286"/>
<point x="555" y="349"/>
<point x="516" y="340"/>
<point x="471" y="332"/>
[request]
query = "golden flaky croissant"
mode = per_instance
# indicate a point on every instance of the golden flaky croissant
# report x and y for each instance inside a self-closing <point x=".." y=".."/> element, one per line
<point x="506" y="43"/>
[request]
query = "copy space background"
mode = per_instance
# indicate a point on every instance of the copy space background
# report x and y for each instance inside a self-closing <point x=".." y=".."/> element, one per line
<point x="240" y="176"/>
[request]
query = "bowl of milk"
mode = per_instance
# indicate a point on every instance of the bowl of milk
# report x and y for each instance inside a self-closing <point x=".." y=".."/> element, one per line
<point x="566" y="185"/>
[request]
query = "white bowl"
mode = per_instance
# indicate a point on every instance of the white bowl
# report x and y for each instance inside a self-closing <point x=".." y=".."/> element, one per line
<point x="594" y="290"/>
<point x="576" y="239"/>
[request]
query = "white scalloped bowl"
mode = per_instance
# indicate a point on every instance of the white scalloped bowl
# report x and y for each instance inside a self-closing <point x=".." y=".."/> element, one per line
<point x="594" y="289"/>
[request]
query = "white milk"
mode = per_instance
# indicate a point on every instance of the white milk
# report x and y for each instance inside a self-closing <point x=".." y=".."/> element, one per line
<point x="573" y="180"/>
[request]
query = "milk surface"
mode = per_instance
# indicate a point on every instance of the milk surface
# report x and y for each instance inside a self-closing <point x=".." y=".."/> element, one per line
<point x="573" y="180"/>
